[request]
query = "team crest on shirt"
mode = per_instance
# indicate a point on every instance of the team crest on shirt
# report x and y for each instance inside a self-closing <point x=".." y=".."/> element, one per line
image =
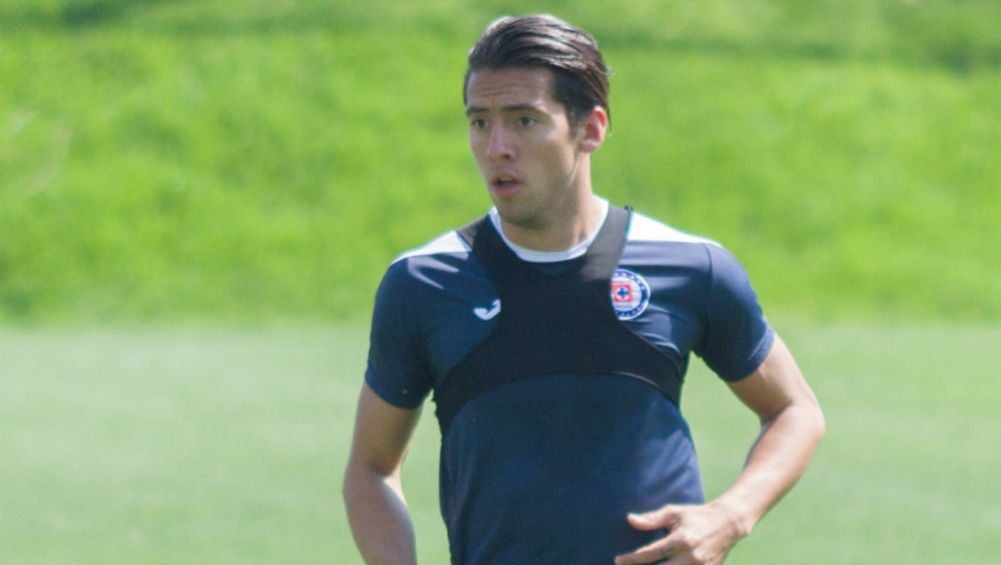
<point x="630" y="294"/>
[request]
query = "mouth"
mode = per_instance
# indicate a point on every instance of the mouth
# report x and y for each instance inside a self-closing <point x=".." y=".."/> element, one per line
<point x="505" y="185"/>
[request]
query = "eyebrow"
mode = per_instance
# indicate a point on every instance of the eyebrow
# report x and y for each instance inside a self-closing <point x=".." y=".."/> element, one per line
<point x="512" y="108"/>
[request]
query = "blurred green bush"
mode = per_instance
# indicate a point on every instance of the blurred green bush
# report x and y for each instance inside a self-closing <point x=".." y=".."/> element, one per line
<point x="246" y="162"/>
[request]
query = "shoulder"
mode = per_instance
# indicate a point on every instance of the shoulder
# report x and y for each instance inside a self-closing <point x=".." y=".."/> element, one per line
<point x="645" y="229"/>
<point x="652" y="243"/>
<point x="427" y="264"/>
<point x="671" y="252"/>
<point x="443" y="269"/>
<point x="446" y="243"/>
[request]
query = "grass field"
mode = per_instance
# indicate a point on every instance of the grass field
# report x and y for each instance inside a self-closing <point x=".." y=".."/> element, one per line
<point x="223" y="446"/>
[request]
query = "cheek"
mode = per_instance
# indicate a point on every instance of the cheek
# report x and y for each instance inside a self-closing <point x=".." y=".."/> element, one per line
<point x="476" y="148"/>
<point x="558" y="156"/>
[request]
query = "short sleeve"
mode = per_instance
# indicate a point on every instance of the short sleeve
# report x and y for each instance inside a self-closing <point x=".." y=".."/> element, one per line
<point x="737" y="336"/>
<point x="397" y="369"/>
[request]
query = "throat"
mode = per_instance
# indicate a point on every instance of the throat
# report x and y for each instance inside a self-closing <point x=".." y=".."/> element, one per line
<point x="539" y="244"/>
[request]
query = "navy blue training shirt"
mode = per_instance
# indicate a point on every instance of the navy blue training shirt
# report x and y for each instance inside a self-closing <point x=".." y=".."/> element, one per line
<point x="544" y="470"/>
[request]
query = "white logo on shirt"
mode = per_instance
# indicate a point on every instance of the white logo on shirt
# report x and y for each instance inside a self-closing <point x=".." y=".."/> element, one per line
<point x="485" y="314"/>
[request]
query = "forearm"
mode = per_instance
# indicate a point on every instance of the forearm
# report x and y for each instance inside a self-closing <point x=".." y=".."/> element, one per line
<point x="379" y="517"/>
<point x="776" y="461"/>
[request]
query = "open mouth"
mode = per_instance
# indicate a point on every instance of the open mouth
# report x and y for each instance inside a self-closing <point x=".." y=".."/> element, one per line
<point x="504" y="184"/>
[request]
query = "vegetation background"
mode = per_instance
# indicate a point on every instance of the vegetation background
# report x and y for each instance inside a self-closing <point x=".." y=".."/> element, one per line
<point x="262" y="161"/>
<point x="197" y="200"/>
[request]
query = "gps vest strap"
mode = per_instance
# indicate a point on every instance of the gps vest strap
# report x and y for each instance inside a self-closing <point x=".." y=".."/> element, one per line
<point x="552" y="324"/>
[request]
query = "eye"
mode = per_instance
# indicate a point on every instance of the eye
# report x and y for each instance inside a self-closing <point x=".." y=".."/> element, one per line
<point x="527" y="121"/>
<point x="478" y="123"/>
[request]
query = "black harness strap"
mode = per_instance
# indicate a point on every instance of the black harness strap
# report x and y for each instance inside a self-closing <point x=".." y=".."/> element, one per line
<point x="553" y="324"/>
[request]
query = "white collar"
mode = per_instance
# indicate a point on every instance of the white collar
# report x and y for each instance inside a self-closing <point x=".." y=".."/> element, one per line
<point x="536" y="256"/>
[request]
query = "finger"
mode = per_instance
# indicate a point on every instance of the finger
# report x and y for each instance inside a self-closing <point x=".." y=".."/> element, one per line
<point x="663" y="518"/>
<point x="652" y="553"/>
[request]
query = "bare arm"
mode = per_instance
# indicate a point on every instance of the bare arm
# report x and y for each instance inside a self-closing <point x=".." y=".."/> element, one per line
<point x="792" y="425"/>
<point x="373" y="496"/>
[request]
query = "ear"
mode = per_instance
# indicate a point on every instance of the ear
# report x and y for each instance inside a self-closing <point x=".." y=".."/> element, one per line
<point x="593" y="130"/>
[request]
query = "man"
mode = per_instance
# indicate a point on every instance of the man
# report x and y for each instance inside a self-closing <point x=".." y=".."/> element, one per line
<point x="554" y="334"/>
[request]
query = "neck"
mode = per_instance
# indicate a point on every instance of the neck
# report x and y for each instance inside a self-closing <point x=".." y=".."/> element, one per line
<point x="564" y="228"/>
<point x="567" y="220"/>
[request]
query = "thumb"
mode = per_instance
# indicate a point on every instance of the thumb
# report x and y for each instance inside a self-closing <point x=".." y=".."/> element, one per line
<point x="660" y="518"/>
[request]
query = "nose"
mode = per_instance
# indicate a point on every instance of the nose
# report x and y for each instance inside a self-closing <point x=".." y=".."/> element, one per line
<point x="499" y="147"/>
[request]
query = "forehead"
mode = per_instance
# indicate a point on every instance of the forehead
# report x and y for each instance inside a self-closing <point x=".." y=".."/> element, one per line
<point x="499" y="88"/>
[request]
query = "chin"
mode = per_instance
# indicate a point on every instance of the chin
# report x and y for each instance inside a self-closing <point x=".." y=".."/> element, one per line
<point x="525" y="219"/>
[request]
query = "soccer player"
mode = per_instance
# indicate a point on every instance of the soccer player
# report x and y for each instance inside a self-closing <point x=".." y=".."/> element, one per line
<point x="554" y="333"/>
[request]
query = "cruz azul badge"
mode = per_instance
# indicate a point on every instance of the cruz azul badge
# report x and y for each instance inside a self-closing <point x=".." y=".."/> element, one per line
<point x="630" y="294"/>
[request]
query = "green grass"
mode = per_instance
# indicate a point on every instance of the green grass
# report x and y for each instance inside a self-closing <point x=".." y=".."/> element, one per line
<point x="223" y="446"/>
<point x="174" y="447"/>
<point x="263" y="161"/>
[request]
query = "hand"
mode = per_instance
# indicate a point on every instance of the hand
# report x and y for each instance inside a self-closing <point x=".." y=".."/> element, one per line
<point x="699" y="535"/>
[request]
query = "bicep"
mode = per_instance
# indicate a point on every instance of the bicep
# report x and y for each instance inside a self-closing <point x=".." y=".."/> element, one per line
<point x="382" y="433"/>
<point x="775" y="385"/>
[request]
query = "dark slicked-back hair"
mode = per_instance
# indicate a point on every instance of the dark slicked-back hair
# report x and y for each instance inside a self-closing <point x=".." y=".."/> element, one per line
<point x="581" y="77"/>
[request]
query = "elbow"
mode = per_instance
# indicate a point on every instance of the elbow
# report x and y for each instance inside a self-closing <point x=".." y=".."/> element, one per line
<point x="806" y="417"/>
<point x="348" y="485"/>
<point x="819" y="421"/>
<point x="353" y="485"/>
<point x="362" y="479"/>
